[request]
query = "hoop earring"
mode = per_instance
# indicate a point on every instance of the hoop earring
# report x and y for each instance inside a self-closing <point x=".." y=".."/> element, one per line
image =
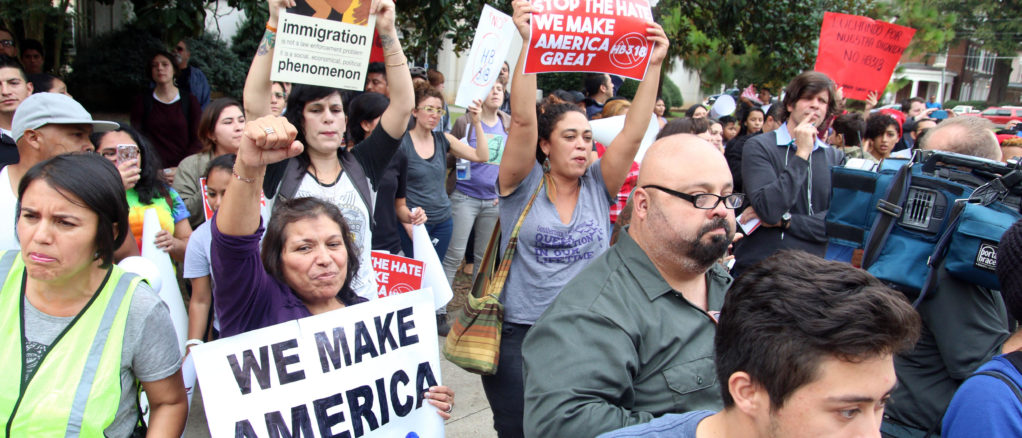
<point x="546" y="165"/>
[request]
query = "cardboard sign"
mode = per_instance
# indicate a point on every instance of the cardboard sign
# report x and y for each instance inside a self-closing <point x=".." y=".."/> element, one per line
<point x="860" y="53"/>
<point x="395" y="274"/>
<point x="489" y="49"/>
<point x="325" y="43"/>
<point x="602" y="36"/>
<point x="360" y="371"/>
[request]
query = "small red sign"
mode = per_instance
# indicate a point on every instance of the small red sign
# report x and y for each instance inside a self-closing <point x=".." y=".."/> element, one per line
<point x="396" y="274"/>
<point x="601" y="36"/>
<point x="860" y="53"/>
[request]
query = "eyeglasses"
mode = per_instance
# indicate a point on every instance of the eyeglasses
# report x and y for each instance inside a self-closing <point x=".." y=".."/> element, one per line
<point x="704" y="201"/>
<point x="7" y="43"/>
<point x="280" y="95"/>
<point x="433" y="110"/>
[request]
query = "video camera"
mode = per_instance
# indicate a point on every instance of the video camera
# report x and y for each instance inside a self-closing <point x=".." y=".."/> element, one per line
<point x="913" y="216"/>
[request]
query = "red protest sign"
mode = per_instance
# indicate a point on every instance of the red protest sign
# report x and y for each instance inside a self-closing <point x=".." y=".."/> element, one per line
<point x="396" y="274"/>
<point x="205" y="199"/>
<point x="602" y="36"/>
<point x="860" y="53"/>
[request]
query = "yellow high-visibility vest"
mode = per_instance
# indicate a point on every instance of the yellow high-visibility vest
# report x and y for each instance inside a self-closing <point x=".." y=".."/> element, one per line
<point x="76" y="387"/>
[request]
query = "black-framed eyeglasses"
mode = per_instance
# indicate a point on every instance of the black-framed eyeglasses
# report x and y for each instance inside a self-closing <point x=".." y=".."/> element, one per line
<point x="704" y="201"/>
<point x="7" y="43"/>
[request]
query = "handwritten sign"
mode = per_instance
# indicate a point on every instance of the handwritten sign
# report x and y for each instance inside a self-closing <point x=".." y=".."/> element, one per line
<point x="489" y="50"/>
<point x="602" y="36"/>
<point x="324" y="43"/>
<point x="396" y="274"/>
<point x="360" y="371"/>
<point x="860" y="53"/>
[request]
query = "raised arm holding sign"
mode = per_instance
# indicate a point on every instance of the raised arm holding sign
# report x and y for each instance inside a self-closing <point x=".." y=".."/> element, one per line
<point x="603" y="36"/>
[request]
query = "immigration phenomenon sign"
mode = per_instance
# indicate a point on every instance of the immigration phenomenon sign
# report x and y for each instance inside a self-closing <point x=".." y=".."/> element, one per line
<point x="360" y="371"/>
<point x="602" y="36"/>
<point x="489" y="49"/>
<point x="860" y="53"/>
<point x="325" y="43"/>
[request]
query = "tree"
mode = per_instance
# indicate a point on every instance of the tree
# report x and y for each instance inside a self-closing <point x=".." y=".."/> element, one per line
<point x="996" y="26"/>
<point x="425" y="24"/>
<point x="768" y="42"/>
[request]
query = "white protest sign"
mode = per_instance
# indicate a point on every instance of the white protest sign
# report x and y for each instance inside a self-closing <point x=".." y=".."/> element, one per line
<point x="324" y="43"/>
<point x="604" y="131"/>
<point x="360" y="371"/>
<point x="433" y="271"/>
<point x="489" y="49"/>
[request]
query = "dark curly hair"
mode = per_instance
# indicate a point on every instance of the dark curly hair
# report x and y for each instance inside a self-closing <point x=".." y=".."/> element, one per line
<point x="547" y="118"/>
<point x="151" y="182"/>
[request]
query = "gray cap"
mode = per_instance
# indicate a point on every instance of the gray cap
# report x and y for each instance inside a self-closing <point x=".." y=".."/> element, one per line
<point x="53" y="108"/>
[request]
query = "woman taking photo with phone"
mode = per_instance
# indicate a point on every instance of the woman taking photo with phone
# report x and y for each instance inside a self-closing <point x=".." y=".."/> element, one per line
<point x="150" y="190"/>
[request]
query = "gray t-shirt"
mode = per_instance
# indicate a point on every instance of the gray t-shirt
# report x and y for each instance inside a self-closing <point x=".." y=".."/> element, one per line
<point x="426" y="184"/>
<point x="549" y="252"/>
<point x="150" y="351"/>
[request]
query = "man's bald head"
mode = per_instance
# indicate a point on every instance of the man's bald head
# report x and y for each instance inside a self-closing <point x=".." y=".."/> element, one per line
<point x="676" y="156"/>
<point x="666" y="224"/>
<point x="964" y="135"/>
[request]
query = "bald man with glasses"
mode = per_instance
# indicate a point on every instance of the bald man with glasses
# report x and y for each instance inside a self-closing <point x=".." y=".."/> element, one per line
<point x="631" y="337"/>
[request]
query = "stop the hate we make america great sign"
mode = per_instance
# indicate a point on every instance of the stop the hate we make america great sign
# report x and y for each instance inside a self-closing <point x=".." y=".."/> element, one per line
<point x="603" y="36"/>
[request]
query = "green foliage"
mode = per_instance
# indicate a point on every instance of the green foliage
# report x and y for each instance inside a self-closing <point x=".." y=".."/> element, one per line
<point x="112" y="70"/>
<point x="250" y="33"/>
<point x="978" y="105"/>
<point x="549" y="82"/>
<point x="628" y="89"/>
<point x="424" y="24"/>
<point x="671" y="93"/>
<point x="224" y="70"/>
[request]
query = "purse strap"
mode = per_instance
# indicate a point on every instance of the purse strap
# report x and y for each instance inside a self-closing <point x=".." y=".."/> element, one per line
<point x="496" y="285"/>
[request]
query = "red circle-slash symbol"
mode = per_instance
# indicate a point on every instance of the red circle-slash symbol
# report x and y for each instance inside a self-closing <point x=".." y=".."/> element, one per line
<point x="629" y="51"/>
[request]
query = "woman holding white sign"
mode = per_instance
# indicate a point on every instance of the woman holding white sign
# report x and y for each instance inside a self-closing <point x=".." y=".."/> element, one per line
<point x="78" y="331"/>
<point x="567" y="227"/>
<point x="308" y="258"/>
<point x="328" y="168"/>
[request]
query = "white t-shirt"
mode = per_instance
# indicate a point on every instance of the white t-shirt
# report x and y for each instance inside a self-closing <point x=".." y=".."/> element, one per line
<point x="343" y="194"/>
<point x="197" y="262"/>
<point x="8" y="204"/>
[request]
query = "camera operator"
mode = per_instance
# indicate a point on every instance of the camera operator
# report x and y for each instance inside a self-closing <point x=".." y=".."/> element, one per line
<point x="964" y="325"/>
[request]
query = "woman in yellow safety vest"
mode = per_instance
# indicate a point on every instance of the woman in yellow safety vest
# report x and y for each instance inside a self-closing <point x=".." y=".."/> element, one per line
<point x="76" y="332"/>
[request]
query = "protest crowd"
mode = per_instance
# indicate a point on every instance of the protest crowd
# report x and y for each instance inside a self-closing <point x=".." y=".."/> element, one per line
<point x="679" y="277"/>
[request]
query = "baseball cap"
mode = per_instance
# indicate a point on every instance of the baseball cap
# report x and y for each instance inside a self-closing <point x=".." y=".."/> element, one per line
<point x="42" y="109"/>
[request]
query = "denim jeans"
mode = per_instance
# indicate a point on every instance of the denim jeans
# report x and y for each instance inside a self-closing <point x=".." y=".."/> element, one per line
<point x="439" y="232"/>
<point x="506" y="390"/>
<point x="469" y="212"/>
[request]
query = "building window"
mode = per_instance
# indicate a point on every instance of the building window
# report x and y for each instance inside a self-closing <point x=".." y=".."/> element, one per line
<point x="972" y="59"/>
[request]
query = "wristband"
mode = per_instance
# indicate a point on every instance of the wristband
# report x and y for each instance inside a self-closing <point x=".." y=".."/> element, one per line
<point x="271" y="28"/>
<point x="193" y="342"/>
<point x="241" y="178"/>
